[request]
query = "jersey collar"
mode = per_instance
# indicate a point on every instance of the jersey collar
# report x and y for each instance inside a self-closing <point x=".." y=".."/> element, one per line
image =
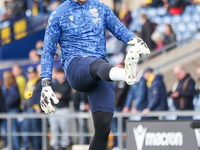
<point x="76" y="4"/>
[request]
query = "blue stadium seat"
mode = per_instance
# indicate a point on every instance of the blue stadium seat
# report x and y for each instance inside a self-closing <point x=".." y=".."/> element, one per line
<point x="186" y="35"/>
<point x="190" y="9"/>
<point x="167" y="19"/>
<point x="157" y="20"/>
<point x="181" y="27"/>
<point x="174" y="27"/>
<point x="134" y="14"/>
<point x="142" y="11"/>
<point x="176" y="19"/>
<point x="179" y="37"/>
<point x="196" y="17"/>
<point x="197" y="37"/>
<point x="186" y="17"/>
<point x="151" y="12"/>
<point x="192" y="26"/>
<point x="161" y="11"/>
<point x="198" y="8"/>
<point x="161" y="28"/>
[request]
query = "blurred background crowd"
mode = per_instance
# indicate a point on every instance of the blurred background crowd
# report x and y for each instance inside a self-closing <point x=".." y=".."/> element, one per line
<point x="165" y="25"/>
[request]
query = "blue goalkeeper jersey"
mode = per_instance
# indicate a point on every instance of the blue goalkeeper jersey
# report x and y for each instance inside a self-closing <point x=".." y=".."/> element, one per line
<point x="81" y="31"/>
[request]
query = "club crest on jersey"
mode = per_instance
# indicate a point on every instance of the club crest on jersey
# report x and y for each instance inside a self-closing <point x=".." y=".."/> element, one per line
<point x="94" y="12"/>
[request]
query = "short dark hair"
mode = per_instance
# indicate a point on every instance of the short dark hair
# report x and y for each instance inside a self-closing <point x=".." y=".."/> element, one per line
<point x="59" y="70"/>
<point x="148" y="70"/>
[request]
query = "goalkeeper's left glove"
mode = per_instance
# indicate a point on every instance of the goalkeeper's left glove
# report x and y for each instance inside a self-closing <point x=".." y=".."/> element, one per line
<point x="139" y="45"/>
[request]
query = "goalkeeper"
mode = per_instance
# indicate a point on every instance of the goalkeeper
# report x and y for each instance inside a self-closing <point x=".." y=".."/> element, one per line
<point x="79" y="27"/>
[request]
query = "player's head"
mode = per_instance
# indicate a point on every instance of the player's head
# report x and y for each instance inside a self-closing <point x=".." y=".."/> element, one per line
<point x="143" y="18"/>
<point x="16" y="70"/>
<point x="157" y="37"/>
<point x="59" y="75"/>
<point x="147" y="73"/>
<point x="198" y="71"/>
<point x="82" y="1"/>
<point x="31" y="72"/>
<point x="180" y="72"/>
<point x="9" y="79"/>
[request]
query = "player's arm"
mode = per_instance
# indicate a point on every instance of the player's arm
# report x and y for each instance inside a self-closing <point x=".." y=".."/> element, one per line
<point x="117" y="28"/>
<point x="121" y="32"/>
<point x="51" y="38"/>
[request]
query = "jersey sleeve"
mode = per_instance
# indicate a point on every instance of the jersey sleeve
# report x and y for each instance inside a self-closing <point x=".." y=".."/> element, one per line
<point x="118" y="29"/>
<point x="51" y="39"/>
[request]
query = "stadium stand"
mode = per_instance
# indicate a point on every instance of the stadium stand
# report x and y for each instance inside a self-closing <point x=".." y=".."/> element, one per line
<point x="183" y="25"/>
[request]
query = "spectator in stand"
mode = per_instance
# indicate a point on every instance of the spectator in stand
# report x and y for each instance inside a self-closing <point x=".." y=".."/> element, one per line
<point x="34" y="7"/>
<point x="198" y="73"/>
<point x="62" y="91"/>
<point x="21" y="82"/>
<point x="131" y="96"/>
<point x="1" y="98"/>
<point x="158" y="39"/>
<point x="2" y="108"/>
<point x="146" y="32"/>
<point x="39" y="47"/>
<point x="11" y="105"/>
<point x="195" y="2"/>
<point x="54" y="4"/>
<point x="35" y="104"/>
<point x="183" y="90"/>
<point x="125" y="18"/>
<point x="175" y="8"/>
<point x="196" y="100"/>
<point x="170" y="36"/>
<point x="155" y="26"/>
<point x="81" y="105"/>
<point x="157" y="97"/>
<point x="125" y="15"/>
<point x="119" y="48"/>
<point x="27" y="125"/>
<point x="33" y="56"/>
<point x="141" y="93"/>
<point x="121" y="90"/>
<point x="166" y="4"/>
<point x="152" y="3"/>
<point x="14" y="8"/>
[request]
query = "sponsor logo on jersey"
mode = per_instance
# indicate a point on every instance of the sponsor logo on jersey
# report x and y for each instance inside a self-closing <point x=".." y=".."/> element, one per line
<point x="94" y="12"/>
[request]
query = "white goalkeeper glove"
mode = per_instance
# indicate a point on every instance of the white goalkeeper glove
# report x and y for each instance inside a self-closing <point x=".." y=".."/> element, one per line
<point x="46" y="95"/>
<point x="139" y="45"/>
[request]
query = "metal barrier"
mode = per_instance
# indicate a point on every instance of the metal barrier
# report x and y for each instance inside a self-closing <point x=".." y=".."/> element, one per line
<point x="119" y="116"/>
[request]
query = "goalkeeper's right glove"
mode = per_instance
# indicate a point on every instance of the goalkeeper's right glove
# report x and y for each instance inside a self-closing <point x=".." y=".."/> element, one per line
<point x="46" y="95"/>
